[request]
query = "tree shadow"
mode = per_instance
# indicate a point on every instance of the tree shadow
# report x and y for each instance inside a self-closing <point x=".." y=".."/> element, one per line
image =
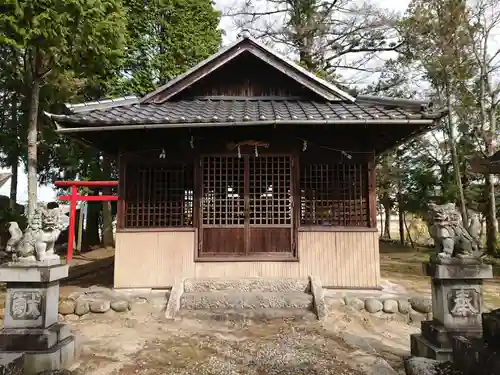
<point x="98" y="272"/>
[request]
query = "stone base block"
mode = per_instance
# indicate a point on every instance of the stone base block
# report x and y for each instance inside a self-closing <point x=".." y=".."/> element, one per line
<point x="58" y="357"/>
<point x="31" y="305"/>
<point x="421" y="347"/>
<point x="458" y="270"/>
<point x="44" y="272"/>
<point x="11" y="364"/>
<point x="442" y="337"/>
<point x="18" y="339"/>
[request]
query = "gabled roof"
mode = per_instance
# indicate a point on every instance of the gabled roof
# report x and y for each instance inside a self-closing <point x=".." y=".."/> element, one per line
<point x="246" y="44"/>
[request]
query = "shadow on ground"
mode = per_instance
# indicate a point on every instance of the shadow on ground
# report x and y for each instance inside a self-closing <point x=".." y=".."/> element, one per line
<point x="151" y="347"/>
<point x="97" y="272"/>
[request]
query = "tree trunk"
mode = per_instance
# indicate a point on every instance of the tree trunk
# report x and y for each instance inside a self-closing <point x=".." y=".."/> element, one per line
<point x="381" y="224"/>
<point x="401" y="213"/>
<point x="401" y="221"/>
<point x="14" y="168"/>
<point x="491" y="211"/>
<point x="412" y="243"/>
<point x="107" y="219"/>
<point x="32" y="143"/>
<point x="80" y="228"/>
<point x="14" y="154"/>
<point x="92" y="238"/>
<point x="387" y="223"/>
<point x="491" y="227"/>
<point x="481" y="232"/>
<point x="454" y="159"/>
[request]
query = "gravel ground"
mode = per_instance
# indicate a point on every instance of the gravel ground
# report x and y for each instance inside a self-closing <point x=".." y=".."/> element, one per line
<point x="133" y="344"/>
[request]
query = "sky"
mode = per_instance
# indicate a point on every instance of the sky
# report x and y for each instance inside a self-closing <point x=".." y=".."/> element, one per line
<point x="46" y="193"/>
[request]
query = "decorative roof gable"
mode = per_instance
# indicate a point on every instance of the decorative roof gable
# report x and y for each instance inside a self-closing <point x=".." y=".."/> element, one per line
<point x="246" y="44"/>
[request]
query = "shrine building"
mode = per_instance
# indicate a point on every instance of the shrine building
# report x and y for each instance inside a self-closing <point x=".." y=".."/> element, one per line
<point x="245" y="166"/>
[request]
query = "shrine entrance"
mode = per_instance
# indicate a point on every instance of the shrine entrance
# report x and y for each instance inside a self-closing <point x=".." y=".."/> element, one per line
<point x="246" y="206"/>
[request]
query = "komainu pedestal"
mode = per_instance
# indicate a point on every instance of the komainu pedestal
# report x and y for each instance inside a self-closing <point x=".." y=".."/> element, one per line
<point x="31" y="323"/>
<point x="457" y="305"/>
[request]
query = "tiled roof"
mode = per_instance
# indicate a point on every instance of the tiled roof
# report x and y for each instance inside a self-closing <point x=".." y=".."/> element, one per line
<point x="241" y="110"/>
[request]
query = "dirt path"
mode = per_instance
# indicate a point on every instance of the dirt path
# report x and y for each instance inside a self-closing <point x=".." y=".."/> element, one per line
<point x="140" y="343"/>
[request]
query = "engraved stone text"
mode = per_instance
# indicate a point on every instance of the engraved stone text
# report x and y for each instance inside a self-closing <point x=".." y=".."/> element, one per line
<point x="26" y="305"/>
<point x="464" y="302"/>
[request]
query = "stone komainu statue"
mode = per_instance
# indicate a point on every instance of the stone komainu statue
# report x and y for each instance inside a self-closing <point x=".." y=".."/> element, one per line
<point x="451" y="237"/>
<point x="39" y="238"/>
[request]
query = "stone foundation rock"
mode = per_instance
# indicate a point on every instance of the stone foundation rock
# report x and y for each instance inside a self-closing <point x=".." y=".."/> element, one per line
<point x="413" y="310"/>
<point x="100" y="300"/>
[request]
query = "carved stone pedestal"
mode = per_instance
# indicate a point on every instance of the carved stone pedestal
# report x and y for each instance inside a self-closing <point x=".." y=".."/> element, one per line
<point x="31" y="323"/>
<point x="457" y="305"/>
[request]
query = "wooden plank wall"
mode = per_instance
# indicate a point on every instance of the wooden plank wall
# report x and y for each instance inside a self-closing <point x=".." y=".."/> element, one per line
<point x="159" y="259"/>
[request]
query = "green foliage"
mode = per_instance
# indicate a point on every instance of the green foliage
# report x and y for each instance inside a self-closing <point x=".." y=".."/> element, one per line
<point x="58" y="46"/>
<point x="88" y="50"/>
<point x="437" y="34"/>
<point x="83" y="36"/>
<point x="442" y="41"/>
<point x="166" y="38"/>
<point x="81" y="50"/>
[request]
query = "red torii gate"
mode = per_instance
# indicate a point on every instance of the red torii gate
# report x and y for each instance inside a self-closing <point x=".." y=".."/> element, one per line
<point x="74" y="197"/>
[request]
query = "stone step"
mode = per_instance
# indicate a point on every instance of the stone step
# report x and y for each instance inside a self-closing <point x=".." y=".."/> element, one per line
<point x="255" y="315"/>
<point x="247" y="285"/>
<point x="245" y="300"/>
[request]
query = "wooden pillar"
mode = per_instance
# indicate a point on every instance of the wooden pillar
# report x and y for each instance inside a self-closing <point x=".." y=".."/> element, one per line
<point x="372" y="192"/>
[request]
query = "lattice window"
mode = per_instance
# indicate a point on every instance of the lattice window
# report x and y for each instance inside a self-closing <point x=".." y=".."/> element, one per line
<point x="270" y="190"/>
<point x="159" y="196"/>
<point x="223" y="192"/>
<point x="334" y="194"/>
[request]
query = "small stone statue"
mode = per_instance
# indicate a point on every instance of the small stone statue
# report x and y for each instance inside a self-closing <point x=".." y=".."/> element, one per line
<point x="451" y="237"/>
<point x="37" y="243"/>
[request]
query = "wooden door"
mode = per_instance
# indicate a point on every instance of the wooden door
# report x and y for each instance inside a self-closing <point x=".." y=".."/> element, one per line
<point x="270" y="223"/>
<point x="222" y="222"/>
<point x="246" y="206"/>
